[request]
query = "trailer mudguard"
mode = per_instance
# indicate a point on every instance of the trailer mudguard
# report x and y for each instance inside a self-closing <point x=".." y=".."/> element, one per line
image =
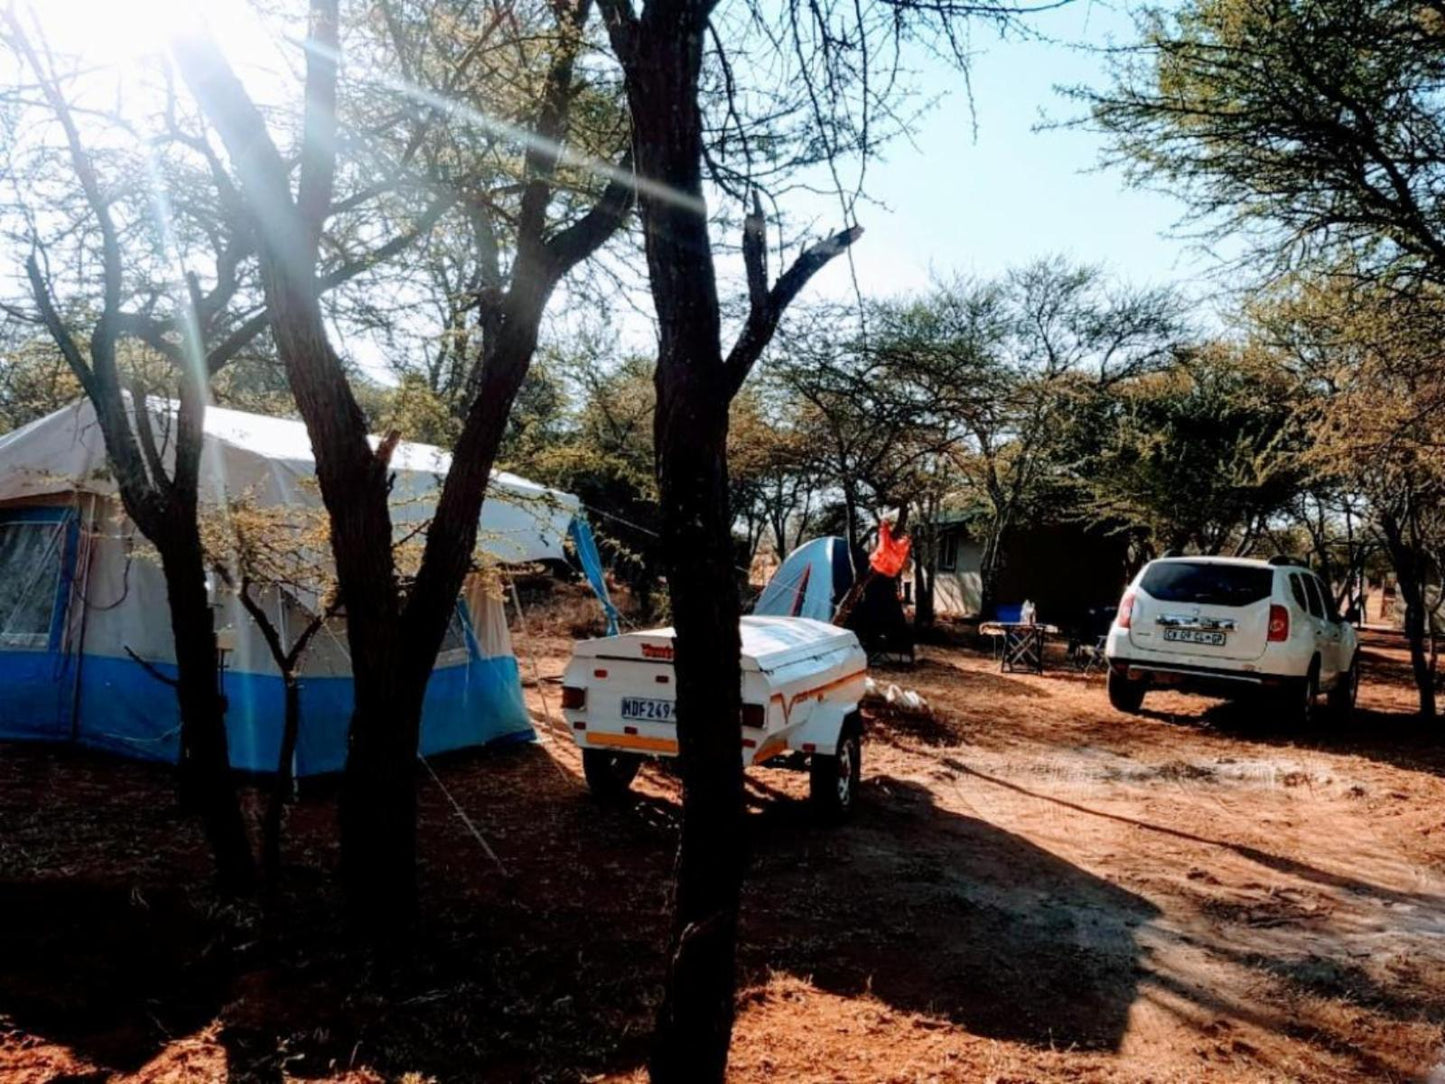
<point x="820" y="734"/>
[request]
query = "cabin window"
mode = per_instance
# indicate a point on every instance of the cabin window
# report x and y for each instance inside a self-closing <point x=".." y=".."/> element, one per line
<point x="948" y="552"/>
<point x="30" y="556"/>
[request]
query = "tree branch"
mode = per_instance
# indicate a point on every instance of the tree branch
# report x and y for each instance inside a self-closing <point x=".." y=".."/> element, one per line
<point x="768" y="305"/>
<point x="151" y="670"/>
<point x="318" y="140"/>
<point x="569" y="247"/>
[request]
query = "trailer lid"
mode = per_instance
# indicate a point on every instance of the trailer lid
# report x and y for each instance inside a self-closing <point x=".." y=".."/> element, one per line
<point x="768" y="643"/>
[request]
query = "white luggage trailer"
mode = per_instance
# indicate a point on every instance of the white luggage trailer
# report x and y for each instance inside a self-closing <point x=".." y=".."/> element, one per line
<point x="802" y="680"/>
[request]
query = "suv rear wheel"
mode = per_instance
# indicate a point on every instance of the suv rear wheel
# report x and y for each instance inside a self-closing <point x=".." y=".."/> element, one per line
<point x="1300" y="697"/>
<point x="1125" y="695"/>
<point x="1346" y="690"/>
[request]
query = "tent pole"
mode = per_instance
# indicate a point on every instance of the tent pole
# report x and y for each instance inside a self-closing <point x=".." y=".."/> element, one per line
<point x="80" y="591"/>
<point x="531" y="653"/>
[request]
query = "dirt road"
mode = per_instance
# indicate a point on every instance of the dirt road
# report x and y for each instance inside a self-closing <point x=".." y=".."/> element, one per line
<point x="1035" y="888"/>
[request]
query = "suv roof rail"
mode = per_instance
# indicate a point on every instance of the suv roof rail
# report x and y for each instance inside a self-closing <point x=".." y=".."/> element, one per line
<point x="1171" y="553"/>
<point x="1285" y="559"/>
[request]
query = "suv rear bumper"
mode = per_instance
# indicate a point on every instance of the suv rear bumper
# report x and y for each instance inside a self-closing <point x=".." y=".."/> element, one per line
<point x="1206" y="679"/>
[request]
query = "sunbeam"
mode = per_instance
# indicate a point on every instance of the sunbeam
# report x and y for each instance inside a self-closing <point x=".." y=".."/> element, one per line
<point x="565" y="155"/>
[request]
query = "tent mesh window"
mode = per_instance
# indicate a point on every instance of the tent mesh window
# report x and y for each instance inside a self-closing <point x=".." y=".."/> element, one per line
<point x="29" y="582"/>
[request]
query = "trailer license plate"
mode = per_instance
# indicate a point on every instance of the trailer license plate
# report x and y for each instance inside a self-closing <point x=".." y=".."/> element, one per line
<point x="652" y="711"/>
<point x="1194" y="636"/>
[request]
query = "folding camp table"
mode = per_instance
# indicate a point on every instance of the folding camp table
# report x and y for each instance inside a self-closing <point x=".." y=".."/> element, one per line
<point x="1020" y="646"/>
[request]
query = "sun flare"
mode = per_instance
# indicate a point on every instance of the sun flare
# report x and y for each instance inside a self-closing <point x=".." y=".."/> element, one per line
<point x="114" y="32"/>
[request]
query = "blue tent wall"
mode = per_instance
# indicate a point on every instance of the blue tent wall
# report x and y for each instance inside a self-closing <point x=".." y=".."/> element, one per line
<point x="127" y="711"/>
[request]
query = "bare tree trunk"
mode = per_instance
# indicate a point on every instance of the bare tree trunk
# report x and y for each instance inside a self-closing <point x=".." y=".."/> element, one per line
<point x="205" y="767"/>
<point x="988" y="570"/>
<point x="281" y="786"/>
<point x="1409" y="571"/>
<point x="394" y="637"/>
<point x="925" y="573"/>
<point x="695" y="1019"/>
<point x="661" y="54"/>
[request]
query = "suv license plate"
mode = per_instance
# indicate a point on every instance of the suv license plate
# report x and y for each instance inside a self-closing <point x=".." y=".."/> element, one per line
<point x="652" y="711"/>
<point x="1194" y="636"/>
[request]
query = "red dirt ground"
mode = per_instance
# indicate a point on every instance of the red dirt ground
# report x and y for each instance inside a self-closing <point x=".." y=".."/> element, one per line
<point x="1034" y="888"/>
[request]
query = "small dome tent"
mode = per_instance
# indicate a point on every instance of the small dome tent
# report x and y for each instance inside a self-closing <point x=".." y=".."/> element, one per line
<point x="816" y="580"/>
<point x="810" y="583"/>
<point x="81" y="602"/>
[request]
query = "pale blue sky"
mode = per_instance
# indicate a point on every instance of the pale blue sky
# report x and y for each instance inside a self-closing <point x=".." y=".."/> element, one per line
<point x="982" y="203"/>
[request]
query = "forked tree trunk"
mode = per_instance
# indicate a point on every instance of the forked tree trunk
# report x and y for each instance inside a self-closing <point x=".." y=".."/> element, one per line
<point x="694" y="1023"/>
<point x="394" y="635"/>
<point x="205" y="766"/>
<point x="661" y="55"/>
<point x="1415" y="635"/>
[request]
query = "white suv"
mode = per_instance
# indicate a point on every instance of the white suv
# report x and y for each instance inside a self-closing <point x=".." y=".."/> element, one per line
<point x="1225" y="627"/>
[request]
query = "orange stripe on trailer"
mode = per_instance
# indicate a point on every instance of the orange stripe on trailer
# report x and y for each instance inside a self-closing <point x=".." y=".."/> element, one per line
<point x="633" y="741"/>
<point x="788" y="705"/>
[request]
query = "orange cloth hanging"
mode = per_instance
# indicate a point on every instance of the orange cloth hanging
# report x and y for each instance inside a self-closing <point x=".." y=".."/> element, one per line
<point x="891" y="554"/>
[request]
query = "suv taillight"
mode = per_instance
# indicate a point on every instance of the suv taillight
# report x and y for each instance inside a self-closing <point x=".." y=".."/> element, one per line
<point x="574" y="697"/>
<point x="1126" y="610"/>
<point x="1278" y="624"/>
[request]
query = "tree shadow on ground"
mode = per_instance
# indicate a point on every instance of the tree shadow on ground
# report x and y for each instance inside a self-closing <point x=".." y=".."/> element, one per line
<point x="1401" y="740"/>
<point x="945" y="915"/>
<point x="985" y="683"/>
<point x="112" y="971"/>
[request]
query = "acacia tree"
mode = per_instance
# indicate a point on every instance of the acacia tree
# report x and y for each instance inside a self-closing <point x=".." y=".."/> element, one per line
<point x="274" y="555"/>
<point x="1370" y="358"/>
<point x="1312" y="127"/>
<point x="1220" y="425"/>
<point x="690" y="120"/>
<point x="133" y="299"/>
<point x="877" y="408"/>
<point x="35" y="378"/>
<point x="395" y="624"/>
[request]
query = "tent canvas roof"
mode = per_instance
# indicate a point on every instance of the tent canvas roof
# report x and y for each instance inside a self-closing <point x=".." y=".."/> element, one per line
<point x="271" y="460"/>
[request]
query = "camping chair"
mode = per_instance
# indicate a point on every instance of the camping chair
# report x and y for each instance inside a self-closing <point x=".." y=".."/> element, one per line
<point x="1023" y="649"/>
<point x="1086" y="645"/>
<point x="1089" y="658"/>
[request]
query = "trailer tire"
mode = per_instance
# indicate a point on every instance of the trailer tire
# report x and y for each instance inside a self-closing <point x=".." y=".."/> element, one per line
<point x="609" y="774"/>
<point x="833" y="779"/>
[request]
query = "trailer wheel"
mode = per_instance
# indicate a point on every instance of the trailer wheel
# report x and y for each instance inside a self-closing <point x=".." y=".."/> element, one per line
<point x="609" y="775"/>
<point x="833" y="780"/>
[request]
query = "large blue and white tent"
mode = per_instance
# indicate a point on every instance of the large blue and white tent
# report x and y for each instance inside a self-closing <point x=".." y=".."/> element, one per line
<point x="82" y="598"/>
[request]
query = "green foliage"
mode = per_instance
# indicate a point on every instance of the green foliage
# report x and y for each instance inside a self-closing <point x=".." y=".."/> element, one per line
<point x="1313" y="127"/>
<point x="34" y="380"/>
<point x="1200" y="456"/>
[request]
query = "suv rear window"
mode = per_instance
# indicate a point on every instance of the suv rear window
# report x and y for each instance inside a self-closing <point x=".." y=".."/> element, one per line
<point x="1210" y="584"/>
